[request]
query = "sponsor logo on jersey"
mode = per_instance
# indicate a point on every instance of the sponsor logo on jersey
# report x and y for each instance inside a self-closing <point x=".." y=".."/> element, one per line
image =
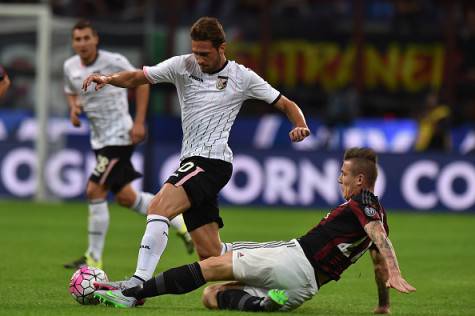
<point x="195" y="78"/>
<point x="222" y="82"/>
<point x="369" y="211"/>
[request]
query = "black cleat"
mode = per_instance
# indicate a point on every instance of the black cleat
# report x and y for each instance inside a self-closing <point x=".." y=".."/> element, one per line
<point x="76" y="264"/>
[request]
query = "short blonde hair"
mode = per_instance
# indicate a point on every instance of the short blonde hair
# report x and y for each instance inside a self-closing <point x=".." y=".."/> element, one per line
<point x="364" y="162"/>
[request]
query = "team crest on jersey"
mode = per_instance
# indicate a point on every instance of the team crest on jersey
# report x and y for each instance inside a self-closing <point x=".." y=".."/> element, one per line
<point x="369" y="211"/>
<point x="222" y="82"/>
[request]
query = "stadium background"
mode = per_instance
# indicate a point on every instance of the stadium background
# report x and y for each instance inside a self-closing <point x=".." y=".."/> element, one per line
<point x="360" y="69"/>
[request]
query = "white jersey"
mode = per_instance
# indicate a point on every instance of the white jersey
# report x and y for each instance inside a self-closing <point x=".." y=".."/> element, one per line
<point x="106" y="109"/>
<point x="209" y="102"/>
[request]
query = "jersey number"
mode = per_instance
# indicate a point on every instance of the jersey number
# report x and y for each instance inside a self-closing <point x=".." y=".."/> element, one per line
<point x="187" y="166"/>
<point x="102" y="163"/>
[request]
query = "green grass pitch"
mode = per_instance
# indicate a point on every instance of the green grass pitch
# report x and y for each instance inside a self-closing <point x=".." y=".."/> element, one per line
<point x="436" y="253"/>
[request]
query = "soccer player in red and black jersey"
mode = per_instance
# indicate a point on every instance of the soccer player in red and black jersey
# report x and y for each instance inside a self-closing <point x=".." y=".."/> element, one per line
<point x="282" y="275"/>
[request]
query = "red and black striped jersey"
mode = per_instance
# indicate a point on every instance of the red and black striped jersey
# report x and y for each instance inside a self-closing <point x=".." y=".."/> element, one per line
<point x="340" y="239"/>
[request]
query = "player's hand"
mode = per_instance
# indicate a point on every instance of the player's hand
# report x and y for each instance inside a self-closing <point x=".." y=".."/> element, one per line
<point x="100" y="81"/>
<point x="397" y="282"/>
<point x="298" y="134"/>
<point x="74" y="115"/>
<point x="137" y="133"/>
<point x="382" y="310"/>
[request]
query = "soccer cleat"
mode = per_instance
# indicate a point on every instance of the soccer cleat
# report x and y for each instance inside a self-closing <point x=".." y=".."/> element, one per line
<point x="86" y="260"/>
<point x="115" y="298"/>
<point x="274" y="300"/>
<point x="187" y="241"/>
<point x="118" y="285"/>
<point x="76" y="264"/>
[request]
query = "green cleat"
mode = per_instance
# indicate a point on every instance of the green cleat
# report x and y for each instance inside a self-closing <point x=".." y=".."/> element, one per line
<point x="274" y="300"/>
<point x="115" y="298"/>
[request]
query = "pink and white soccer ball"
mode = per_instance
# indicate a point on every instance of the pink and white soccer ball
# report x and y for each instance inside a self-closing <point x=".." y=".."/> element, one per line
<point x="81" y="285"/>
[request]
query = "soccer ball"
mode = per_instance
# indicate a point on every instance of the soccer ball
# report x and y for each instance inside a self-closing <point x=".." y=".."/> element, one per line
<point x="81" y="285"/>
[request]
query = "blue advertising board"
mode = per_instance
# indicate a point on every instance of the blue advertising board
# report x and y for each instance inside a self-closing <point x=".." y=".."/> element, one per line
<point x="309" y="179"/>
<point x="263" y="177"/>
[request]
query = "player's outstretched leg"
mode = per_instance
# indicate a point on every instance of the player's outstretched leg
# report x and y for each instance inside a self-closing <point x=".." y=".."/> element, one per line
<point x="179" y="280"/>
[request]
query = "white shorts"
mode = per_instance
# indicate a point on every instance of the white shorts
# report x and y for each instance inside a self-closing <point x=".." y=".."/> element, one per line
<point x="275" y="265"/>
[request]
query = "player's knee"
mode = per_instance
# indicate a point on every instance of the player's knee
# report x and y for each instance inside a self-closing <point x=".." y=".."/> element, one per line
<point x="125" y="200"/>
<point x="207" y="252"/>
<point x="158" y="206"/>
<point x="162" y="206"/>
<point x="209" y="296"/>
<point x="93" y="192"/>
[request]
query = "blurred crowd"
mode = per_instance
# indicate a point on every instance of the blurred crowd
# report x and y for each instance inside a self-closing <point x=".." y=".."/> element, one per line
<point x="451" y="23"/>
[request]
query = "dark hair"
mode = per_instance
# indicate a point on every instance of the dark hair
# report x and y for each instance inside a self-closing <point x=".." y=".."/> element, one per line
<point x="364" y="162"/>
<point x="84" y="24"/>
<point x="208" y="29"/>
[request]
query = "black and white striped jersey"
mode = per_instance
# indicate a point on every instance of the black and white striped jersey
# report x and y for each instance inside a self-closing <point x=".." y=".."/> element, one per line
<point x="209" y="102"/>
<point x="106" y="109"/>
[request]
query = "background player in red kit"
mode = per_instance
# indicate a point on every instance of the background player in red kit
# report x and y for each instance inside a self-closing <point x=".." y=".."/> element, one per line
<point x="282" y="275"/>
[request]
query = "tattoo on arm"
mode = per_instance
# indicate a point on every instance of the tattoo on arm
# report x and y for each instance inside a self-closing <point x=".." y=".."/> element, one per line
<point x="376" y="232"/>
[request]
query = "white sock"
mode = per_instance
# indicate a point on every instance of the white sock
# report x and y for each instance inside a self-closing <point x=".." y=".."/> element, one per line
<point x="142" y="201"/>
<point x="226" y="247"/>
<point x="141" y="205"/>
<point x="154" y="242"/>
<point x="98" y="223"/>
<point x="179" y="224"/>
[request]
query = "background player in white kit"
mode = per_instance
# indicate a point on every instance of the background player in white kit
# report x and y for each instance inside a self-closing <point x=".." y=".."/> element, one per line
<point x="211" y="91"/>
<point x="113" y="136"/>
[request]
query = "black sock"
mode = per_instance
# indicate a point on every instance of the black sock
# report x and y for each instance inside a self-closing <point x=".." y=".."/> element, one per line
<point x="179" y="280"/>
<point x="236" y="299"/>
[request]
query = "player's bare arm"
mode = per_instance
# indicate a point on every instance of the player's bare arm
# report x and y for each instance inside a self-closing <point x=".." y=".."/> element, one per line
<point x="296" y="117"/>
<point x="74" y="109"/>
<point x="123" y="79"/>
<point x="138" y="131"/>
<point x="376" y="232"/>
<point x="381" y="276"/>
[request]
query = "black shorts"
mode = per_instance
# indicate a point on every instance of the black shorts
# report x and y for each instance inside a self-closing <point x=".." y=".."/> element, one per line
<point x="114" y="168"/>
<point x="202" y="178"/>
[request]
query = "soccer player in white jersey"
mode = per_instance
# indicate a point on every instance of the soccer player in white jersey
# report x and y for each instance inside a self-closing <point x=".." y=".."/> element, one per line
<point x="211" y="91"/>
<point x="113" y="136"/>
